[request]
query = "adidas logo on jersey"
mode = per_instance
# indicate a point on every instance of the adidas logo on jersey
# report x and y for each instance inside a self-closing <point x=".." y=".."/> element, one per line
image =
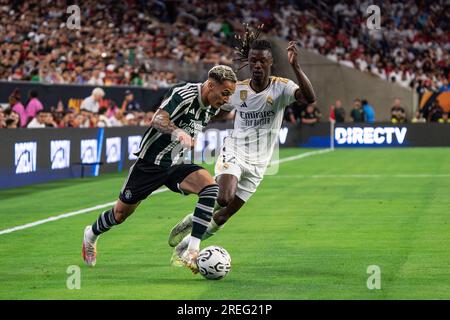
<point x="244" y="105"/>
<point x="192" y="111"/>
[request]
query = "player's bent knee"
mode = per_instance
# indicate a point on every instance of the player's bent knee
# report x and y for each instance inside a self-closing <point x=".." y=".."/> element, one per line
<point x="226" y="195"/>
<point x="222" y="201"/>
<point x="120" y="217"/>
<point x="122" y="211"/>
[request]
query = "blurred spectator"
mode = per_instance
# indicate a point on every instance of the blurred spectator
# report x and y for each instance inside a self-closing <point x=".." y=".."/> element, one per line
<point x="117" y="120"/>
<point x="111" y="108"/>
<point x="2" y="119"/>
<point x="39" y="121"/>
<point x="68" y="120"/>
<point x="339" y="112"/>
<point x="85" y="119"/>
<point x="398" y="113"/>
<point x="131" y="120"/>
<point x="34" y="105"/>
<point x="357" y="113"/>
<point x="444" y="118"/>
<point x="93" y="120"/>
<point x="445" y="86"/>
<point x="418" y="118"/>
<point x="91" y="103"/>
<point x="293" y="113"/>
<point x="310" y="115"/>
<point x="11" y="124"/>
<point x="435" y="114"/>
<point x="17" y="106"/>
<point x="103" y="120"/>
<point x="129" y="104"/>
<point x="79" y="121"/>
<point x="58" y="117"/>
<point x="12" y="118"/>
<point x="50" y="121"/>
<point x="369" y="112"/>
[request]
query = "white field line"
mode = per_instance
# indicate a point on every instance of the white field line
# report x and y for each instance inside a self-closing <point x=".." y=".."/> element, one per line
<point x="303" y="155"/>
<point x="105" y="205"/>
<point x="65" y="215"/>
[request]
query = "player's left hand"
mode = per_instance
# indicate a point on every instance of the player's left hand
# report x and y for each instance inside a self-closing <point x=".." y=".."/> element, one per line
<point x="292" y="53"/>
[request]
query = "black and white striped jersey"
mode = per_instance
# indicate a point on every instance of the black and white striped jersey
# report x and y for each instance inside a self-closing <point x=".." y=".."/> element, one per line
<point x="186" y="110"/>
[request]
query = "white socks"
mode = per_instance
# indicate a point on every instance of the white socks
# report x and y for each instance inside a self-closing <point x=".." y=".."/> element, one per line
<point x="194" y="244"/>
<point x="90" y="236"/>
<point x="212" y="228"/>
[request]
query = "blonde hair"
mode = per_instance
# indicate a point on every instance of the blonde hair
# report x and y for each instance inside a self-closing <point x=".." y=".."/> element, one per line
<point x="222" y="73"/>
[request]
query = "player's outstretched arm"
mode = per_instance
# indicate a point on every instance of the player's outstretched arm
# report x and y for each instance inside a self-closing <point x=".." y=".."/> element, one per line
<point x="305" y="91"/>
<point x="162" y="123"/>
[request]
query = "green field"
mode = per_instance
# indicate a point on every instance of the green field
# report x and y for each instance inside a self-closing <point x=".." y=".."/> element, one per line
<point x="309" y="232"/>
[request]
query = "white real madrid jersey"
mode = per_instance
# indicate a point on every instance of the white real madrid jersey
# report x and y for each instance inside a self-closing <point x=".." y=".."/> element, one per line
<point x="258" y="118"/>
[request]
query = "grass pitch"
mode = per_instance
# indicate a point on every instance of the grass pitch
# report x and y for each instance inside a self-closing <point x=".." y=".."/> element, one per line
<point x="309" y="232"/>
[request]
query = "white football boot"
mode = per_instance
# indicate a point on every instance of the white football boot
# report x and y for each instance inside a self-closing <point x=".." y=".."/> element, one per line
<point x="178" y="252"/>
<point x="181" y="230"/>
<point x="89" y="251"/>
<point x="189" y="260"/>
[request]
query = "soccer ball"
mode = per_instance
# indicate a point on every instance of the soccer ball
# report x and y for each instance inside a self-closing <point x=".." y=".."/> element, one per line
<point x="214" y="263"/>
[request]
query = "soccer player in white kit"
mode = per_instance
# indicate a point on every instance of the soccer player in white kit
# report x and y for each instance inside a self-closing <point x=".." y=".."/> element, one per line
<point x="259" y="103"/>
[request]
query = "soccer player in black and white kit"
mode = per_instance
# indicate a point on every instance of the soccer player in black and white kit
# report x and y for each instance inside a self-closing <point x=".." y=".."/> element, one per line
<point x="184" y="112"/>
<point x="259" y="103"/>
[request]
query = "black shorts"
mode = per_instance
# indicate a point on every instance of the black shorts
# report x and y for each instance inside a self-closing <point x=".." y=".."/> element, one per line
<point x="146" y="177"/>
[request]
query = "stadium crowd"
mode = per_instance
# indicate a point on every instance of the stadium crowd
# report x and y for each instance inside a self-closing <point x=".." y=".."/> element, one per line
<point x="117" y="43"/>
<point x="95" y="111"/>
<point x="119" y="40"/>
<point x="361" y="111"/>
<point x="126" y="43"/>
<point x="411" y="48"/>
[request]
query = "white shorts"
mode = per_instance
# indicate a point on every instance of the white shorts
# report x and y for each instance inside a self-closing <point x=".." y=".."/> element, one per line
<point x="249" y="176"/>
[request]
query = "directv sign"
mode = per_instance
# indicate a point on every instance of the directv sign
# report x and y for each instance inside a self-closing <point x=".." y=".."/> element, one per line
<point x="370" y="136"/>
<point x="88" y="152"/>
<point x="113" y="150"/>
<point x="60" y="154"/>
<point x="25" y="157"/>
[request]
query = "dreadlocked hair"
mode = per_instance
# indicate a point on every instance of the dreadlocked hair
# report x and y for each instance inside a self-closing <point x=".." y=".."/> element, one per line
<point x="249" y="40"/>
<point x="261" y="45"/>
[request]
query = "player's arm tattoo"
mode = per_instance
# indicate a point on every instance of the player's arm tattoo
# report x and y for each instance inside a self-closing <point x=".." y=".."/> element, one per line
<point x="162" y="123"/>
<point x="305" y="91"/>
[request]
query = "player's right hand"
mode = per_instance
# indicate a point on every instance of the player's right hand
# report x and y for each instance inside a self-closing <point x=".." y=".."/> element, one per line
<point x="185" y="139"/>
